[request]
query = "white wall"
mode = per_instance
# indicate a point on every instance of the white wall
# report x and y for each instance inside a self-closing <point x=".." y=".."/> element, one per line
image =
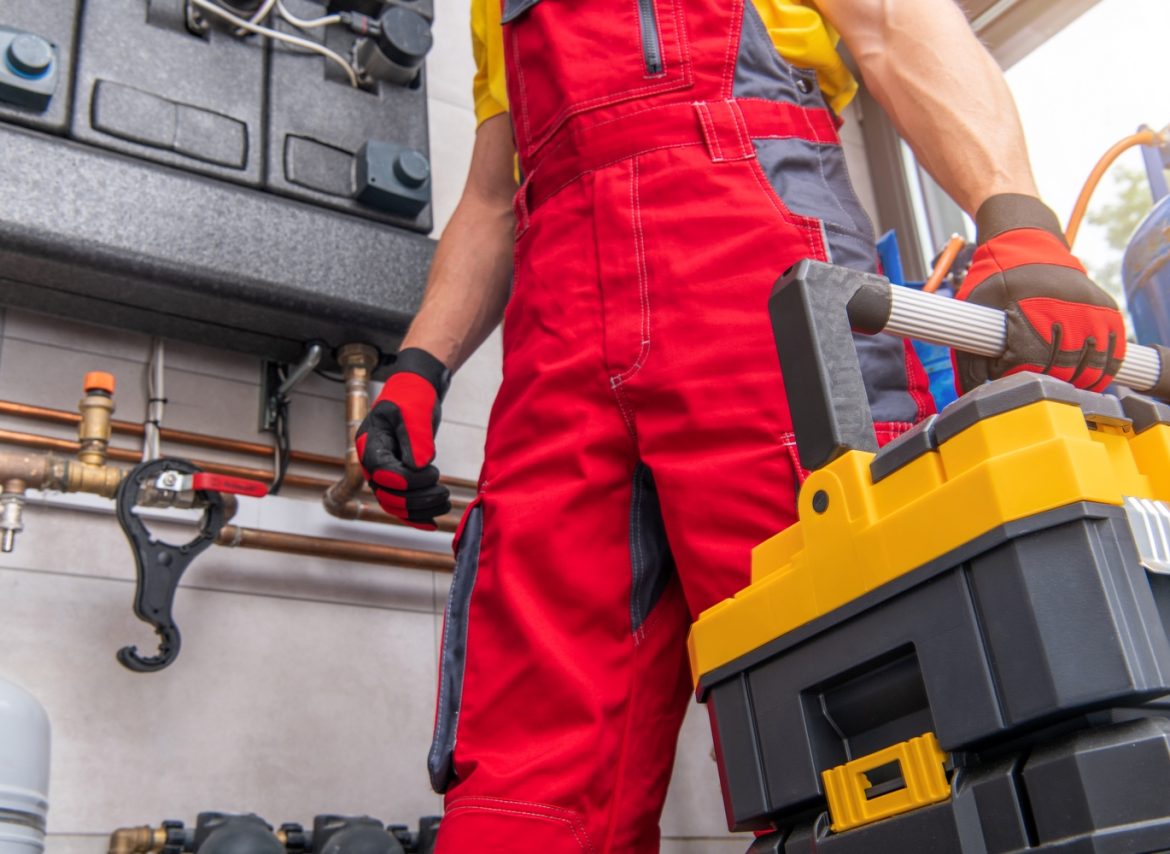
<point x="304" y="685"/>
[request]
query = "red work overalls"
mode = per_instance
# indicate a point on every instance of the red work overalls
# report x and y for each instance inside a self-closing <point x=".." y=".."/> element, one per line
<point x="640" y="445"/>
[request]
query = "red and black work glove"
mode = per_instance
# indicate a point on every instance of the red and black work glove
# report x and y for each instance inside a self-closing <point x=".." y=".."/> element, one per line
<point x="1058" y="321"/>
<point x="396" y="441"/>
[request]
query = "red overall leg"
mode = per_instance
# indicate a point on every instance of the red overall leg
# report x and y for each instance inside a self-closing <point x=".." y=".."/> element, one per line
<point x="570" y="698"/>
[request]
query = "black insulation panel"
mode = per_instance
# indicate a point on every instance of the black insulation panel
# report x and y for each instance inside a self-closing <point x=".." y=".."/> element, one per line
<point x="318" y="122"/>
<point x="148" y="86"/>
<point x="149" y="194"/>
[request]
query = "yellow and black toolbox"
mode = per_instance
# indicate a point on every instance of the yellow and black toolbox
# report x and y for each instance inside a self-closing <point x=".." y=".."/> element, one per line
<point x="962" y="646"/>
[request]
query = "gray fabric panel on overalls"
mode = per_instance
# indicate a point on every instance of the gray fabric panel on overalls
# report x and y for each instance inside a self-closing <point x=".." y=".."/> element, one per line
<point x="813" y="181"/>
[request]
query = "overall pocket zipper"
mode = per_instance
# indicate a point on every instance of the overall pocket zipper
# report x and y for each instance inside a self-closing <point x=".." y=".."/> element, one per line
<point x="651" y="47"/>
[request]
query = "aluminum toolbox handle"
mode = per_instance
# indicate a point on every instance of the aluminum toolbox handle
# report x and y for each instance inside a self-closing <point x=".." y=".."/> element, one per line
<point x="981" y="330"/>
<point x="816" y="307"/>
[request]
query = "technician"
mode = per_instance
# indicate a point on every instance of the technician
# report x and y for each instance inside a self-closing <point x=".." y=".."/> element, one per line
<point x="678" y="156"/>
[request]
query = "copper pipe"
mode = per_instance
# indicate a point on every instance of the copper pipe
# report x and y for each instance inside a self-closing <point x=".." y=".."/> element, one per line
<point x="357" y="361"/>
<point x="47" y="471"/>
<point x="198" y="440"/>
<point x="366" y="511"/>
<point x="128" y="455"/>
<point x="358" y="510"/>
<point x="234" y="536"/>
<point x="137" y="840"/>
<point x="340" y="499"/>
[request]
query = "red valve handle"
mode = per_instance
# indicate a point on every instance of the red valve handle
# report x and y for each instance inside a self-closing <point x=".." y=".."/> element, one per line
<point x="223" y="483"/>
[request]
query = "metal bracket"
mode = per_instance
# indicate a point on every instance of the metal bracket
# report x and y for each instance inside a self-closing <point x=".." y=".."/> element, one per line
<point x="274" y="390"/>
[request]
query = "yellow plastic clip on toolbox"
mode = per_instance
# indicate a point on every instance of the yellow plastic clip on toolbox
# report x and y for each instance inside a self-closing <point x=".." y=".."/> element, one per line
<point x="982" y="579"/>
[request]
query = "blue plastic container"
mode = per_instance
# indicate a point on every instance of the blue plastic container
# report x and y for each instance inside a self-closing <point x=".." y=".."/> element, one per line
<point x="935" y="359"/>
<point x="1145" y="272"/>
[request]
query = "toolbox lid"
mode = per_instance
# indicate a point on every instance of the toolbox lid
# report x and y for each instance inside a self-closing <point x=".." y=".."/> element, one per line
<point x="1002" y="395"/>
<point x="905" y="449"/>
<point x="1144" y="412"/>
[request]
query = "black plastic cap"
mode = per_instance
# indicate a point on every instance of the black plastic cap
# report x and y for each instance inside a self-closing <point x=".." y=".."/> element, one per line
<point x="405" y="36"/>
<point x="29" y="55"/>
<point x="217" y="833"/>
<point x="412" y="168"/>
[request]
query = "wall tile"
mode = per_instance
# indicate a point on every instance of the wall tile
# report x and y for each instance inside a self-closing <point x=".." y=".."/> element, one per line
<point x="48" y="375"/>
<point x="452" y="138"/>
<point x="284" y="708"/>
<point x="451" y="66"/>
<point x="213" y="361"/>
<point x="474" y="386"/>
<point x="75" y="335"/>
<point x="319" y="386"/>
<point x="215" y="405"/>
<point x="92" y="544"/>
<point x="77" y="843"/>
<point x="459" y="450"/>
<point x="226" y="407"/>
<point x="694" y="803"/>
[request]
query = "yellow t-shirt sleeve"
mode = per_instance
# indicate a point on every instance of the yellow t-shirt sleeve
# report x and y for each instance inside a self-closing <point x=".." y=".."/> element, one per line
<point x="487" y="45"/>
<point x="796" y="28"/>
<point x="806" y="40"/>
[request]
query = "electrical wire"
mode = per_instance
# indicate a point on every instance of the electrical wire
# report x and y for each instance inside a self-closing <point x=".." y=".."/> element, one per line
<point x="281" y="440"/>
<point x="258" y="16"/>
<point x="282" y="446"/>
<point x="306" y="44"/>
<point x="262" y="12"/>
<point x="303" y="23"/>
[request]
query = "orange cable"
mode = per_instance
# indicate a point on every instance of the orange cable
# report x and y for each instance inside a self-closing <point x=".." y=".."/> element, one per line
<point x="1145" y="137"/>
<point x="943" y="265"/>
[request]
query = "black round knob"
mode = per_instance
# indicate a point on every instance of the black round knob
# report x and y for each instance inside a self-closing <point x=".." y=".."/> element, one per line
<point x="29" y="55"/>
<point x="412" y="168"/>
<point x="405" y="36"/>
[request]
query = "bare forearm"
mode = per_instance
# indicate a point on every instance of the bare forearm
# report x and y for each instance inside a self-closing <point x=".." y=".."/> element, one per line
<point x="471" y="275"/>
<point x="943" y="91"/>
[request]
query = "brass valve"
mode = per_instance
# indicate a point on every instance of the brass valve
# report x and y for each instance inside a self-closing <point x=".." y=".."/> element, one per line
<point x="97" y="408"/>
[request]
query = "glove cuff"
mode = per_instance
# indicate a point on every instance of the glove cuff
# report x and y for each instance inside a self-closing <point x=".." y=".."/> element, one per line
<point x="1008" y="211"/>
<point x="414" y="360"/>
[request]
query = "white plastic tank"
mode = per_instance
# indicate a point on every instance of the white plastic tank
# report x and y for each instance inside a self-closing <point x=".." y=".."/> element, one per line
<point x="24" y="770"/>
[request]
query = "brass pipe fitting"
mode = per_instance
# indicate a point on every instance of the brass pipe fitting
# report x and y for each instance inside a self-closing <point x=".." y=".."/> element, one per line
<point x="11" y="513"/>
<point x="97" y="410"/>
<point x="100" y="480"/>
<point x="357" y="362"/>
<point x="137" y="840"/>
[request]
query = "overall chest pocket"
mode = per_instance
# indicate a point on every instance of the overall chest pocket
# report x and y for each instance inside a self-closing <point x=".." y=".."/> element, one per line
<point x="569" y="56"/>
